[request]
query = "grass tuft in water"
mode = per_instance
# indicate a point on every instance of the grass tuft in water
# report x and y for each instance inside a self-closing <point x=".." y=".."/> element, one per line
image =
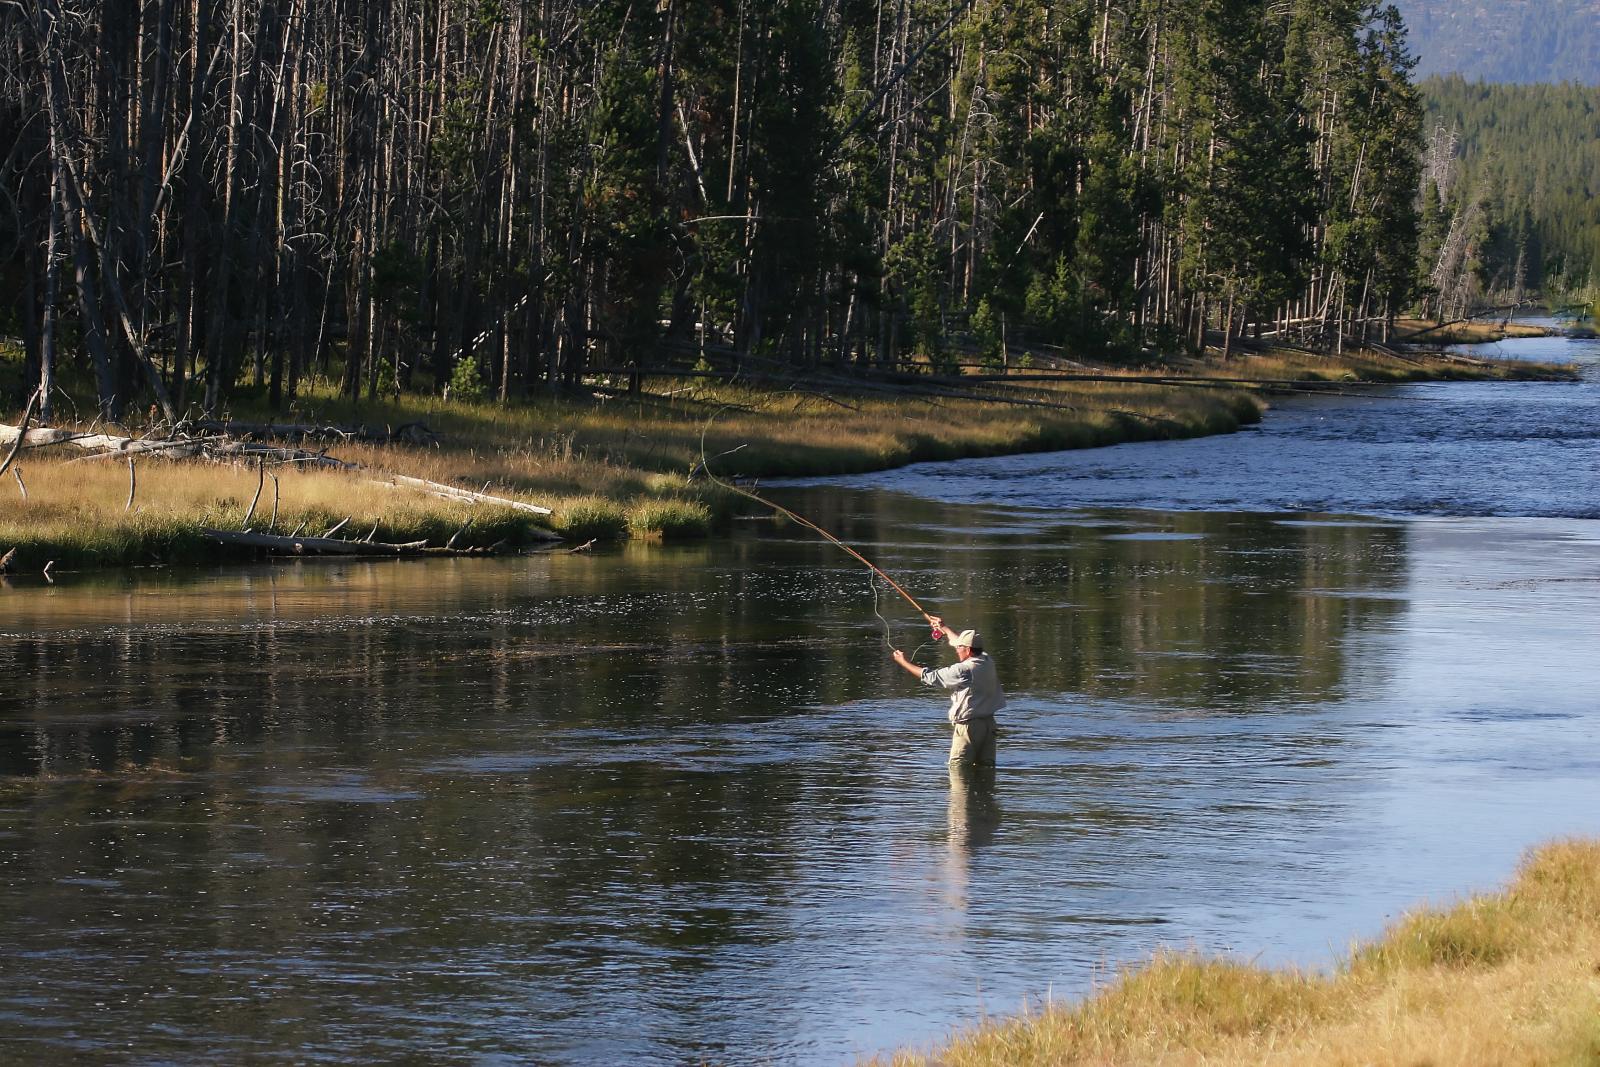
<point x="670" y="519"/>
<point x="589" y="518"/>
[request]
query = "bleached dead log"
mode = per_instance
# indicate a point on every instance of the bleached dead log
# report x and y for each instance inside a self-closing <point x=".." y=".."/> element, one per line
<point x="450" y="492"/>
<point x="94" y="442"/>
<point x="181" y="447"/>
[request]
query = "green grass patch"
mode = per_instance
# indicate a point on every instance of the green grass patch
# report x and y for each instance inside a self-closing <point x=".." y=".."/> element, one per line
<point x="590" y="518"/>
<point x="670" y="520"/>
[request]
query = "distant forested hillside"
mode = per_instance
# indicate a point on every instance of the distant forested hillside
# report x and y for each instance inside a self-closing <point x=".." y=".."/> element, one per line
<point x="1521" y="41"/>
<point x="1513" y="172"/>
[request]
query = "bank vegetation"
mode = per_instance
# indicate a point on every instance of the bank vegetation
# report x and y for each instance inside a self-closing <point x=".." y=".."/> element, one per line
<point x="1508" y="978"/>
<point x="438" y="474"/>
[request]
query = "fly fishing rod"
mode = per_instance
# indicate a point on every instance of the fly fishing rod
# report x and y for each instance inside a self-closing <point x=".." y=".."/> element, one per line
<point x="801" y="520"/>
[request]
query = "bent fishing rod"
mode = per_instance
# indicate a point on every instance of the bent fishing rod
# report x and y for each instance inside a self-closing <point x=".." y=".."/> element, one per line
<point x="801" y="520"/>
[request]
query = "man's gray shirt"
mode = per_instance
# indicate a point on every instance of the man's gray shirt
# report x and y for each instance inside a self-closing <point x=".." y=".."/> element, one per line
<point x="974" y="685"/>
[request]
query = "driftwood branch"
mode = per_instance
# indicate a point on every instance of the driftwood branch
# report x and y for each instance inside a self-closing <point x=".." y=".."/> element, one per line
<point x="261" y="481"/>
<point x="22" y="432"/>
<point x="133" y="485"/>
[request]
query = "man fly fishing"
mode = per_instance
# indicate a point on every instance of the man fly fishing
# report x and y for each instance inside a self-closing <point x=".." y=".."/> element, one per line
<point x="975" y="694"/>
<point x="972" y="680"/>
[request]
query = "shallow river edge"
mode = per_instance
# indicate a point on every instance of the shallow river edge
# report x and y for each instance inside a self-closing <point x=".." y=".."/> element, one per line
<point x="1506" y="978"/>
<point x="210" y="523"/>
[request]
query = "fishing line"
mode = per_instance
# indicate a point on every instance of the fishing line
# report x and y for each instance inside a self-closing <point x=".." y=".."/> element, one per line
<point x="888" y="641"/>
<point x="801" y="520"/>
<point x="872" y="582"/>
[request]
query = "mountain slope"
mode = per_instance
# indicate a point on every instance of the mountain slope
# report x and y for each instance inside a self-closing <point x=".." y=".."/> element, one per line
<point x="1519" y="41"/>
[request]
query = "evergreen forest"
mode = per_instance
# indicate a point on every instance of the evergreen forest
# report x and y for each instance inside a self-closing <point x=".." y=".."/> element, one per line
<point x="501" y="196"/>
<point x="1511" y="201"/>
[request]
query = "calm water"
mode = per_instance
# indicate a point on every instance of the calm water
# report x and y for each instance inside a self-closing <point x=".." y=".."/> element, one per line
<point x="1516" y="449"/>
<point x="674" y="804"/>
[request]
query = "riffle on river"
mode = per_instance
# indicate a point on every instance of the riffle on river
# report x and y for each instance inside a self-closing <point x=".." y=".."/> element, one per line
<point x="673" y="805"/>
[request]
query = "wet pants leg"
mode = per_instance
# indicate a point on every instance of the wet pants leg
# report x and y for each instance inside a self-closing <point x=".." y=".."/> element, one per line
<point x="973" y="742"/>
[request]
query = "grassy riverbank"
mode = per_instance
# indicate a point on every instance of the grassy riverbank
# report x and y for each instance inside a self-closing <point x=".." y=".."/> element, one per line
<point x="1464" y="333"/>
<point x="607" y="468"/>
<point x="1510" y="979"/>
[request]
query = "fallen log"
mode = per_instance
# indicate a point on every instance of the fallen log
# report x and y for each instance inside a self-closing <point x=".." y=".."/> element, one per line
<point x="451" y="492"/>
<point x="92" y="442"/>
<point x="313" y="546"/>
<point x="416" y="433"/>
<point x="178" y="448"/>
<point x="221" y="447"/>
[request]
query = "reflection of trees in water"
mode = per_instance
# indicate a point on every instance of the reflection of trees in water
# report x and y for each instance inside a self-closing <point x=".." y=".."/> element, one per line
<point x="558" y="752"/>
<point x="341" y="755"/>
<point x="1253" y="610"/>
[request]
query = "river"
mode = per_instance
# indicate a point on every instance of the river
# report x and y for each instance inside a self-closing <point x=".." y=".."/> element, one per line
<point x="674" y="805"/>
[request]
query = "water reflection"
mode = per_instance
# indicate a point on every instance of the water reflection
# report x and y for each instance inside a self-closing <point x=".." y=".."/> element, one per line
<point x="660" y="804"/>
<point x="974" y="816"/>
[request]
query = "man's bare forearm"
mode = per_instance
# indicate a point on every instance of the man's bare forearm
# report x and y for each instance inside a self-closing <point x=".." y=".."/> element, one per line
<point x="906" y="665"/>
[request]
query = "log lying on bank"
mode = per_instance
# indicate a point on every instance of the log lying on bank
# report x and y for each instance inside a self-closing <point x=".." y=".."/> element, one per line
<point x="100" y="444"/>
<point x="414" y="433"/>
<point x="90" y="442"/>
<point x="450" y="492"/>
<point x="222" y="448"/>
<point x="335" y="546"/>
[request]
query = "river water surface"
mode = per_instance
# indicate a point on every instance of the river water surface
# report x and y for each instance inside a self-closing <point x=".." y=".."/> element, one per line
<point x="674" y="805"/>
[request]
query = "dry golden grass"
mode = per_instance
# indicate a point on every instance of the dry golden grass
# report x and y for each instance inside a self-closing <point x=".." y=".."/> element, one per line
<point x="621" y="468"/>
<point x="1509" y="979"/>
<point x="77" y="513"/>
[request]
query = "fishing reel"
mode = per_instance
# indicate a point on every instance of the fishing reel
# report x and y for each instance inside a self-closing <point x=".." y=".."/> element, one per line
<point x="938" y="634"/>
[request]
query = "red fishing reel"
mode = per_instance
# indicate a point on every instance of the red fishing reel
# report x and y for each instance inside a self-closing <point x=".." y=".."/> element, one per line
<point x="938" y="634"/>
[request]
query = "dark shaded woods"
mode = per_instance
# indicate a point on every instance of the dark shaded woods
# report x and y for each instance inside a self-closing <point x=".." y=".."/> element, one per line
<point x="199" y="197"/>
